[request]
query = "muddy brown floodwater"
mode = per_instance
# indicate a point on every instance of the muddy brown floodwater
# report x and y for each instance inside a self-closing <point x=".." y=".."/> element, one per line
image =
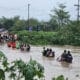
<point x="51" y="65"/>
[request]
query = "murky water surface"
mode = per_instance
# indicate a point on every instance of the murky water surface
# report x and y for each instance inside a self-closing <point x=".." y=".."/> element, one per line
<point x="51" y="65"/>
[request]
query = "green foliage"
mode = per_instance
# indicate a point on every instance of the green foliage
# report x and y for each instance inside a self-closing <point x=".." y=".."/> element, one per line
<point x="6" y="23"/>
<point x="4" y="63"/>
<point x="16" y="24"/>
<point x="33" y="22"/>
<point x="2" y="74"/>
<point x="1" y="55"/>
<point x="36" y="38"/>
<point x="3" y="60"/>
<point x="38" y="68"/>
<point x="70" y="34"/>
<point x="61" y="77"/>
<point x="66" y="35"/>
<point x="19" y="25"/>
<point x="28" y="71"/>
<point x="60" y="18"/>
<point x="53" y="25"/>
<point x="19" y="69"/>
<point x="16" y="69"/>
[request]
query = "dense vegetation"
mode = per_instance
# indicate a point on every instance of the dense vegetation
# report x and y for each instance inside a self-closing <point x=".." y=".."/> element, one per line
<point x="60" y="29"/>
<point x="48" y="38"/>
<point x="19" y="69"/>
<point x="37" y="38"/>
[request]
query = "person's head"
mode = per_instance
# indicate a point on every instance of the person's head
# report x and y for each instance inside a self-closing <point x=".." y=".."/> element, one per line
<point x="64" y="51"/>
<point x="50" y="50"/>
<point x="47" y="49"/>
<point x="68" y="52"/>
<point x="44" y="48"/>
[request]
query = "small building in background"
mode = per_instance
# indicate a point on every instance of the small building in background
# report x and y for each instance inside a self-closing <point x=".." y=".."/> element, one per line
<point x="3" y="31"/>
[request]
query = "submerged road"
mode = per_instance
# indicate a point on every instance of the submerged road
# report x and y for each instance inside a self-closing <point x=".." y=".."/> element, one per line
<point x="51" y="65"/>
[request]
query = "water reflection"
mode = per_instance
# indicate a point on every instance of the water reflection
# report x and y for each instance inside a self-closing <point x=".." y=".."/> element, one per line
<point x="65" y="64"/>
<point x="48" y="58"/>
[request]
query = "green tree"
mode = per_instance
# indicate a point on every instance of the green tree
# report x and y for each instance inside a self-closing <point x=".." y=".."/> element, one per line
<point x="43" y="26"/>
<point x="60" y="16"/>
<point x="6" y="23"/>
<point x="19" y="25"/>
<point x="53" y="25"/>
<point x="33" y="22"/>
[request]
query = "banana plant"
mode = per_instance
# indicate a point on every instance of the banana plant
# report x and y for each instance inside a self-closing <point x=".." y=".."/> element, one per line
<point x="4" y="65"/>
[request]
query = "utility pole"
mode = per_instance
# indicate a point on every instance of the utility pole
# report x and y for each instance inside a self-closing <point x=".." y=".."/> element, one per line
<point x="78" y="10"/>
<point x="28" y="16"/>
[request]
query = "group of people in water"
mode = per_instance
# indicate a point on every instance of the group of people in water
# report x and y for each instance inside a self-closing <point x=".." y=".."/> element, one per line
<point x="48" y="52"/>
<point x="12" y="41"/>
<point x="18" y="45"/>
<point x="24" y="47"/>
<point x="65" y="56"/>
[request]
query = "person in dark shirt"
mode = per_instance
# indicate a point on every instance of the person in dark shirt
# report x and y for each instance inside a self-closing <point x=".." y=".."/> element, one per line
<point x="69" y="57"/>
<point x="63" y="56"/>
<point x="28" y="47"/>
<point x="44" y="52"/>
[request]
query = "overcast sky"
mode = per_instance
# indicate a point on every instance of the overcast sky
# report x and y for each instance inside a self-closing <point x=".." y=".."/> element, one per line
<point x="39" y="9"/>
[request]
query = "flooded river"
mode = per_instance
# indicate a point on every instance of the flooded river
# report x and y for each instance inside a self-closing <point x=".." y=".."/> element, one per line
<point x="51" y="65"/>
